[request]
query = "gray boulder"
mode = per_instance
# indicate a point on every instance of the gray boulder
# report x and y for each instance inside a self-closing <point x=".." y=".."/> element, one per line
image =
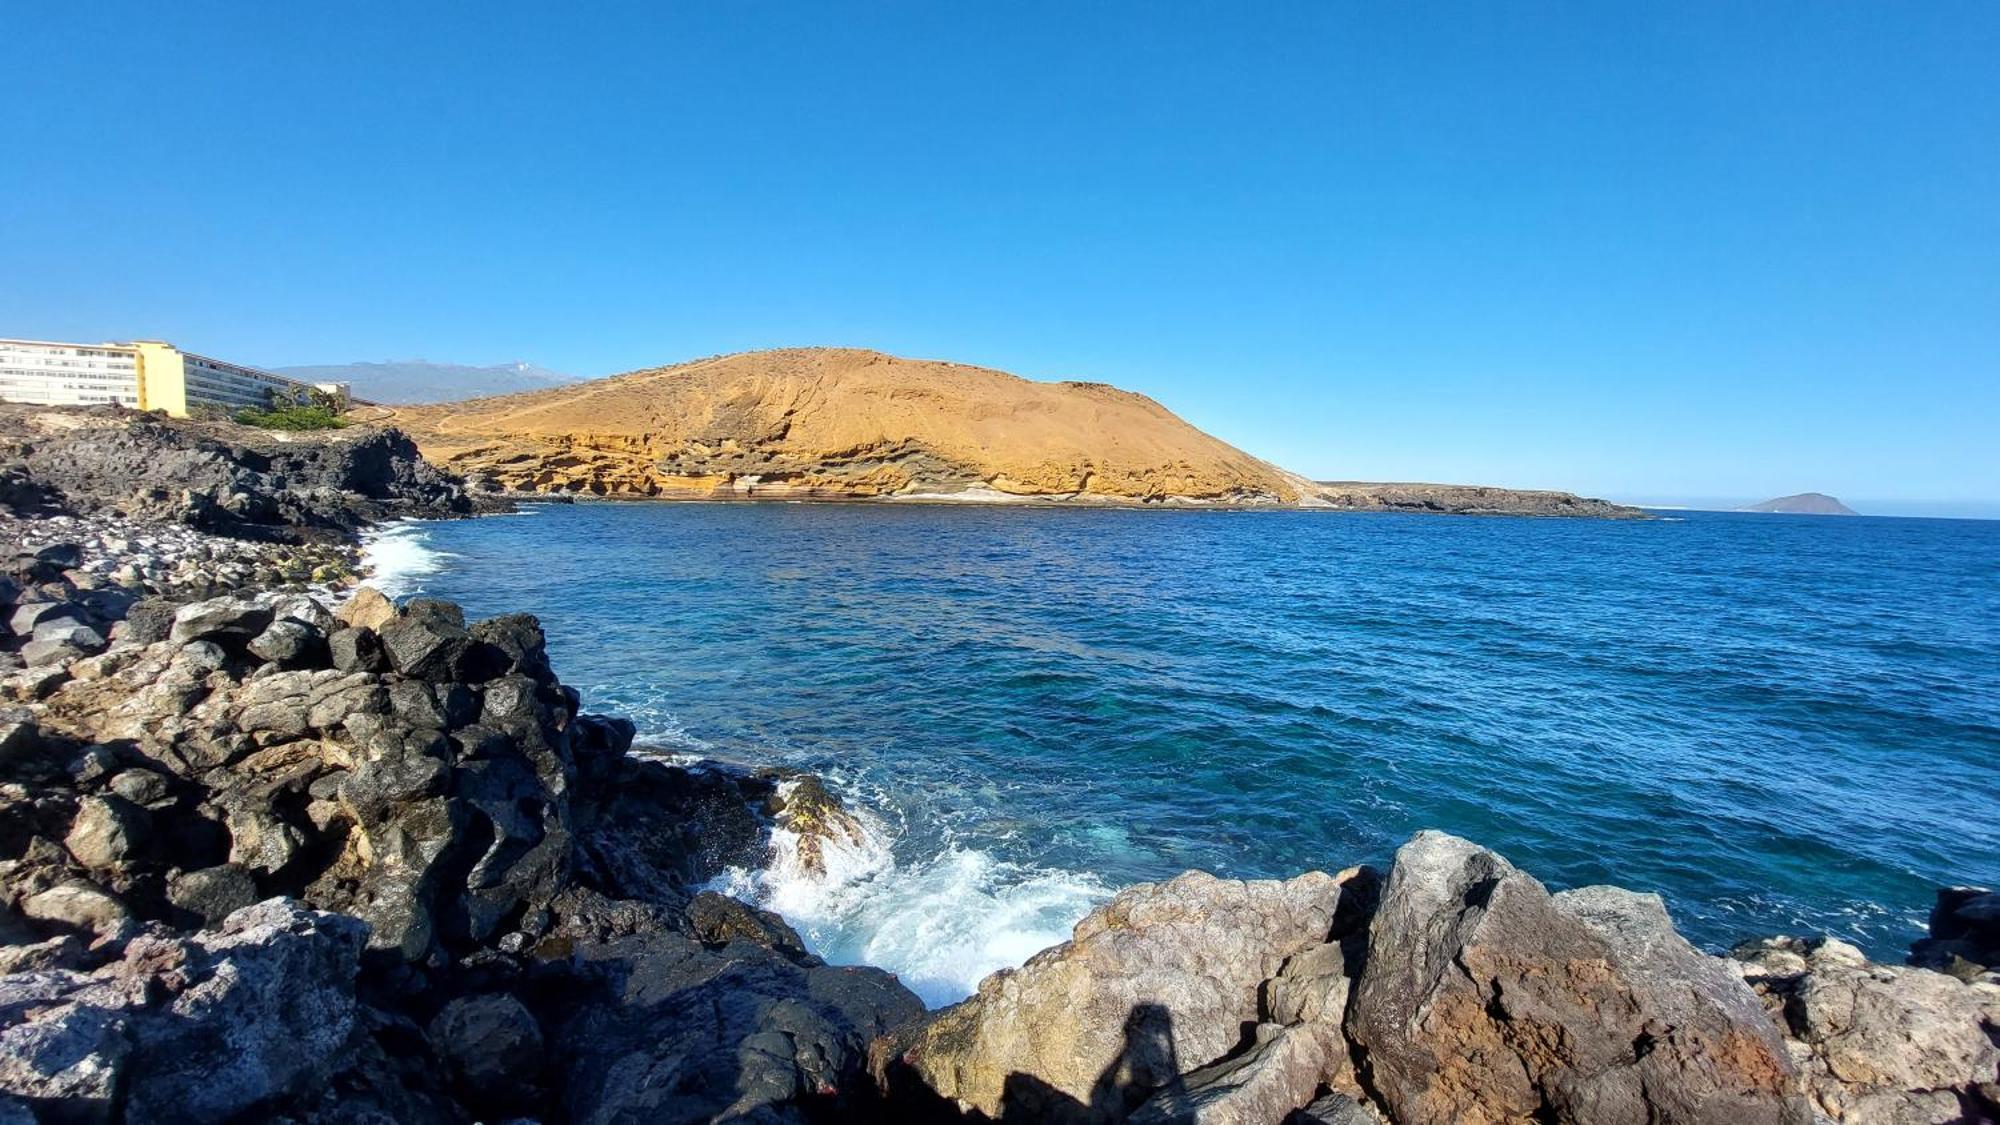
<point x="51" y="653"/>
<point x="106" y="830"/>
<point x="57" y="1051"/>
<point x="309" y="610"/>
<point x="493" y="1047"/>
<point x="76" y="633"/>
<point x="30" y="616"/>
<point x="80" y="905"/>
<point x="202" y="1029"/>
<point x="1880" y="1044"/>
<point x="266" y="1010"/>
<point x="1158" y="983"/>
<point x="1483" y="997"/>
<point x="229" y="622"/>
<point x="289" y="643"/>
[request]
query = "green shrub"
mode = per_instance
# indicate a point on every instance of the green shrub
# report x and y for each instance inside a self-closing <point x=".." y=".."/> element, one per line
<point x="313" y="417"/>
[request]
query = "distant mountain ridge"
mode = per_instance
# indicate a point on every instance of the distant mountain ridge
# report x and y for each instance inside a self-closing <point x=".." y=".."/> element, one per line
<point x="1804" y="504"/>
<point x="401" y="381"/>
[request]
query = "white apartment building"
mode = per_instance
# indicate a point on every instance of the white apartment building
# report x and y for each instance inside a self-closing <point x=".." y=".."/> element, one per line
<point x="141" y="374"/>
<point x="68" y="374"/>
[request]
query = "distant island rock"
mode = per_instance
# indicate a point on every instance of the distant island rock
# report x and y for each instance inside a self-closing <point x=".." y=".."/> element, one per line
<point x="415" y="380"/>
<point x="1467" y="500"/>
<point x="1804" y="504"/>
<point x="852" y="424"/>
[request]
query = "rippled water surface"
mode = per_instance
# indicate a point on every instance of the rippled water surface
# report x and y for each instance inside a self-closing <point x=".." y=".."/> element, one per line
<point x="1778" y="722"/>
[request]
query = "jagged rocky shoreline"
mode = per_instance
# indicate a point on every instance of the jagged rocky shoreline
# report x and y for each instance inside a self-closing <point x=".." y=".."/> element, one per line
<point x="273" y="851"/>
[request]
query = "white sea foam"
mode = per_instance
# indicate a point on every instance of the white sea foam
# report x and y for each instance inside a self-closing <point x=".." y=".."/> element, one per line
<point x="941" y="922"/>
<point x="398" y="557"/>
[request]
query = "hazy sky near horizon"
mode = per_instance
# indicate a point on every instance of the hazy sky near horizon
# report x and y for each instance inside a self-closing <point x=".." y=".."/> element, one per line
<point x="1647" y="251"/>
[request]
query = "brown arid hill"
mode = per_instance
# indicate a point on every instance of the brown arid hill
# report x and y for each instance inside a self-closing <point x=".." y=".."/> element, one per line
<point x="845" y="424"/>
<point x="835" y="423"/>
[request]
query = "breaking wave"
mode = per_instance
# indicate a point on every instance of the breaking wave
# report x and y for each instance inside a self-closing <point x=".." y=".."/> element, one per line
<point x="398" y="557"/>
<point x="941" y="922"/>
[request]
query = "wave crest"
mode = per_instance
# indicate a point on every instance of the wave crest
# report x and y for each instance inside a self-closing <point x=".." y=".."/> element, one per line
<point x="940" y="922"/>
<point x="398" y="557"/>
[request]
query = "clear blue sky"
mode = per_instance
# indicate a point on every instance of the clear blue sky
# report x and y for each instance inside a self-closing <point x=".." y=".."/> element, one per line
<point x="1643" y="250"/>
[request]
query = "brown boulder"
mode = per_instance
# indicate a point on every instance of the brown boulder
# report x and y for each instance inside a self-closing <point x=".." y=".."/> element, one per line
<point x="367" y="609"/>
<point x="1484" y="998"/>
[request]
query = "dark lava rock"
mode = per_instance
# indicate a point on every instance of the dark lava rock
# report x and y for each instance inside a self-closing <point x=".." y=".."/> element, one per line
<point x="230" y="622"/>
<point x="493" y="1047"/>
<point x="289" y="644"/>
<point x="358" y="650"/>
<point x="675" y="1031"/>
<point x="212" y="893"/>
<point x="1964" y="936"/>
<point x="716" y="920"/>
<point x="426" y="644"/>
<point x="150" y="620"/>
<point x="216" y="476"/>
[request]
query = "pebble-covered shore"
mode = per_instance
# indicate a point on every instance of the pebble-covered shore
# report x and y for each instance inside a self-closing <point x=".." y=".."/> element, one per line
<point x="166" y="558"/>
<point x="75" y="579"/>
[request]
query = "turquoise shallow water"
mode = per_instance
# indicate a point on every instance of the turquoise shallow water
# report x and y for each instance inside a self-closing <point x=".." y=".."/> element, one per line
<point x="1779" y="723"/>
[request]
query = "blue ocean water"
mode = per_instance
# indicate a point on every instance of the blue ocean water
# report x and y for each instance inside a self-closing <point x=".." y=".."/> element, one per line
<point x="1780" y="723"/>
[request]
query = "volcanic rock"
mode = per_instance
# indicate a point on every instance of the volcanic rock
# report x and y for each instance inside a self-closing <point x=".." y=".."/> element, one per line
<point x="1156" y="984"/>
<point x="218" y="477"/>
<point x="493" y="1046"/>
<point x="1964" y="934"/>
<point x="187" y="1030"/>
<point x="1880" y="1043"/>
<point x="1484" y="998"/>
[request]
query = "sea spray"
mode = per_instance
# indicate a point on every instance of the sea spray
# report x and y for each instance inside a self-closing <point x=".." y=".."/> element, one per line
<point x="941" y="921"/>
<point x="397" y="557"/>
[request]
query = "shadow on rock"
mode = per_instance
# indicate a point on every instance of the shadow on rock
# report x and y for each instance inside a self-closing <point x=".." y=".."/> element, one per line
<point x="1147" y="1066"/>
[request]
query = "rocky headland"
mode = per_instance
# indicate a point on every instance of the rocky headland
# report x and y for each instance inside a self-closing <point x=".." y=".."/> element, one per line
<point x="285" y="851"/>
<point x="216" y="477"/>
<point x="1466" y="500"/>
<point x="849" y="424"/>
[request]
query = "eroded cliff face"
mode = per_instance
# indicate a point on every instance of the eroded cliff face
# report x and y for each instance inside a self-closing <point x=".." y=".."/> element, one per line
<point x="832" y="423"/>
